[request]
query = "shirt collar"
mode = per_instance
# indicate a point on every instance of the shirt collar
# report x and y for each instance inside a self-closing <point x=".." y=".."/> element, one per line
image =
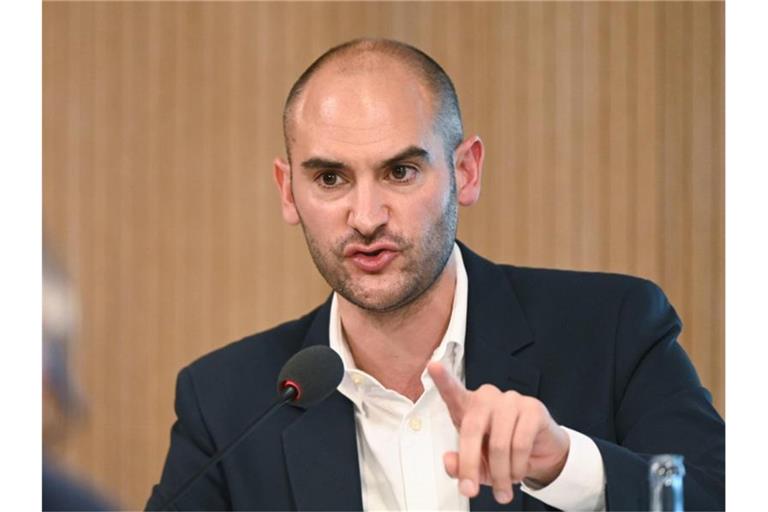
<point x="450" y="351"/>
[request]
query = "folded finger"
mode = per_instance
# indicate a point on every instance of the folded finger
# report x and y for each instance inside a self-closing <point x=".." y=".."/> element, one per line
<point x="522" y="444"/>
<point x="503" y="424"/>
<point x="474" y="428"/>
<point x="451" y="464"/>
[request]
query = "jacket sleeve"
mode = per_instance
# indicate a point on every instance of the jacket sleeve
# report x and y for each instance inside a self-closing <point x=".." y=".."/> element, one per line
<point x="191" y="448"/>
<point x="659" y="407"/>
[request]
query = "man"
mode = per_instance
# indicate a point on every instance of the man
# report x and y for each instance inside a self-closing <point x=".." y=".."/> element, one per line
<point x="467" y="384"/>
<point x="62" y="403"/>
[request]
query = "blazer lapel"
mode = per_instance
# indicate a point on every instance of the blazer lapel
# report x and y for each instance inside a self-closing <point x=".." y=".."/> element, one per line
<point x="320" y="446"/>
<point x="497" y="333"/>
<point x="321" y="457"/>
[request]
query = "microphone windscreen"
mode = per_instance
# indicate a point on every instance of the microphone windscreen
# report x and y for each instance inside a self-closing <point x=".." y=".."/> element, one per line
<point x="316" y="370"/>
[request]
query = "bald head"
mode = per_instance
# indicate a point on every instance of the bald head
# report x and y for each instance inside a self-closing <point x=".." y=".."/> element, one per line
<point x="371" y="59"/>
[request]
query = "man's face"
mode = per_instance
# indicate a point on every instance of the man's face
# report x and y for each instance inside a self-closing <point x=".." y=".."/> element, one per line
<point x="371" y="186"/>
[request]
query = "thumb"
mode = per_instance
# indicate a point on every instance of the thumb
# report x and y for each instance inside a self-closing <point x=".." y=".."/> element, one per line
<point x="453" y="392"/>
<point x="451" y="464"/>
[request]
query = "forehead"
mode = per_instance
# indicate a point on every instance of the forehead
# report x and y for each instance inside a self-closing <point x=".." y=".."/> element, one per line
<point x="365" y="109"/>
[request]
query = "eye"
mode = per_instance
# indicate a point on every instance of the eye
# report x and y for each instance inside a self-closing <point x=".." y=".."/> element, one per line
<point x="330" y="179"/>
<point x="402" y="173"/>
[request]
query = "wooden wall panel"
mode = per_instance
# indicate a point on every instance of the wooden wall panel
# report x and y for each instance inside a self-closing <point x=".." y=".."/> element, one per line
<point x="605" y="136"/>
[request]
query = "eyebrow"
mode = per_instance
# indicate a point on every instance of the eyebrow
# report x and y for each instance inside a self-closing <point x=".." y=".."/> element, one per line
<point x="318" y="163"/>
<point x="410" y="152"/>
<point x="322" y="163"/>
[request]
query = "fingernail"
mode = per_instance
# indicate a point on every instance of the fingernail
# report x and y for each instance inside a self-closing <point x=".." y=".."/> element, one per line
<point x="502" y="496"/>
<point x="467" y="487"/>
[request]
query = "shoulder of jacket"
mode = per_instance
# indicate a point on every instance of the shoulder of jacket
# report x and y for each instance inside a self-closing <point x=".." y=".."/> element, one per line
<point x="275" y="344"/>
<point x="529" y="278"/>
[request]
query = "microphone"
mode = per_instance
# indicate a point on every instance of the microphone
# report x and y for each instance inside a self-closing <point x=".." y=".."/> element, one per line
<point x="306" y="379"/>
<point x="314" y="373"/>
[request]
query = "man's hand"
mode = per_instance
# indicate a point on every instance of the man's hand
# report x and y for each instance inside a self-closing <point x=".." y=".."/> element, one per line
<point x="504" y="438"/>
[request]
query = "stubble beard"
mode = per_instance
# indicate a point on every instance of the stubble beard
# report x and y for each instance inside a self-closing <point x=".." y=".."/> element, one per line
<point x="426" y="260"/>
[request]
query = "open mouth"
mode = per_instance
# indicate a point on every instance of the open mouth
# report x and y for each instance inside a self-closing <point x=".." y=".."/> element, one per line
<point x="373" y="261"/>
<point x="372" y="253"/>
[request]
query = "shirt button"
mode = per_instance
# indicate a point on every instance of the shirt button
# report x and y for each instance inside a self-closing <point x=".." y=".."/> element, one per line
<point x="357" y="379"/>
<point x="415" y="424"/>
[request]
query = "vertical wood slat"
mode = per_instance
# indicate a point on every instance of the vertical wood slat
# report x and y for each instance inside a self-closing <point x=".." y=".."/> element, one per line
<point x="617" y="146"/>
<point x="647" y="212"/>
<point x="593" y="80"/>
<point x="698" y="218"/>
<point x="564" y="177"/>
<point x="717" y="220"/>
<point x="604" y="130"/>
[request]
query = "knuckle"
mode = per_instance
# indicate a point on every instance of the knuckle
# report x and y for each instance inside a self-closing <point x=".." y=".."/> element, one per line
<point x="480" y="402"/>
<point x="475" y="400"/>
<point x="498" y="446"/>
<point x="472" y="426"/>
<point x="512" y="394"/>
<point x="520" y="446"/>
<point x="512" y="399"/>
<point x="487" y="391"/>
<point x="535" y="406"/>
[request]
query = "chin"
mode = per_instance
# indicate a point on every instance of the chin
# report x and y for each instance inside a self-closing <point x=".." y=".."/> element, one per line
<point x="373" y="301"/>
<point x="379" y="299"/>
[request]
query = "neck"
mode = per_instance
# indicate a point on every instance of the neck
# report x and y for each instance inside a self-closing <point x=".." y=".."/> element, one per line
<point x="395" y="347"/>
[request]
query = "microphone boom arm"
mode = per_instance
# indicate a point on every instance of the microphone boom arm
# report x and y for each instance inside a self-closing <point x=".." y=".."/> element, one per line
<point x="288" y="394"/>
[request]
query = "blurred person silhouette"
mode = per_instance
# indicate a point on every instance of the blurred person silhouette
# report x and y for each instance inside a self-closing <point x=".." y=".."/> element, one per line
<point x="63" y="405"/>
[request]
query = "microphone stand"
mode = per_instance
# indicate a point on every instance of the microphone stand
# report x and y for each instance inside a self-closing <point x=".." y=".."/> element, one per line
<point x="286" y="395"/>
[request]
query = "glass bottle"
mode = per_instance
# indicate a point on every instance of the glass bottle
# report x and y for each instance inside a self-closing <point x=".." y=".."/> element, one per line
<point x="666" y="483"/>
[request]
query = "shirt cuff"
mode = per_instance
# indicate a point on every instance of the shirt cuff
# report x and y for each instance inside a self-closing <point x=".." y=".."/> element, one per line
<point x="581" y="483"/>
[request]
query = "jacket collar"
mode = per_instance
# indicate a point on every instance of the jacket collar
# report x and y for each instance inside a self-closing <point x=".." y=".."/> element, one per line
<point x="496" y="330"/>
<point x="320" y="446"/>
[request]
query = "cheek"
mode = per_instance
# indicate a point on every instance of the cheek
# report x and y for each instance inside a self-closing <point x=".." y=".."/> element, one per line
<point x="322" y="219"/>
<point x="427" y="208"/>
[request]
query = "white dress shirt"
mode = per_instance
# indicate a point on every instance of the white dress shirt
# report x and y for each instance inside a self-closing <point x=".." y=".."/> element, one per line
<point x="400" y="444"/>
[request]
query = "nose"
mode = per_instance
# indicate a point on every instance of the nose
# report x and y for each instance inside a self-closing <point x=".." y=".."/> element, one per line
<point x="369" y="210"/>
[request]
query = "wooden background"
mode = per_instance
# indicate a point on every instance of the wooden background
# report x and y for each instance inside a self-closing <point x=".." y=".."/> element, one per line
<point x="605" y="135"/>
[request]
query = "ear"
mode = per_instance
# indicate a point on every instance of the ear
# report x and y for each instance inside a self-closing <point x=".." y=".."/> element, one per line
<point x="468" y="165"/>
<point x="282" y="175"/>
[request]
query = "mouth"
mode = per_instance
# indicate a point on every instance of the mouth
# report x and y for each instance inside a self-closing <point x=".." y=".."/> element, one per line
<point x="372" y="259"/>
<point x="371" y="253"/>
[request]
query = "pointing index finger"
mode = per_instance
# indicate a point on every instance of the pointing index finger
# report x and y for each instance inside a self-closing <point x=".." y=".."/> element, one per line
<point x="453" y="393"/>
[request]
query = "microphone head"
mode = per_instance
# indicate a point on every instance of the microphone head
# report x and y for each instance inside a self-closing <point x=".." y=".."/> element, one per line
<point x="315" y="372"/>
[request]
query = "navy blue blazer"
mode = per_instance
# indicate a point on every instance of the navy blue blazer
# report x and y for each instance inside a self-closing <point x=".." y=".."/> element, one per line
<point x="599" y="350"/>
